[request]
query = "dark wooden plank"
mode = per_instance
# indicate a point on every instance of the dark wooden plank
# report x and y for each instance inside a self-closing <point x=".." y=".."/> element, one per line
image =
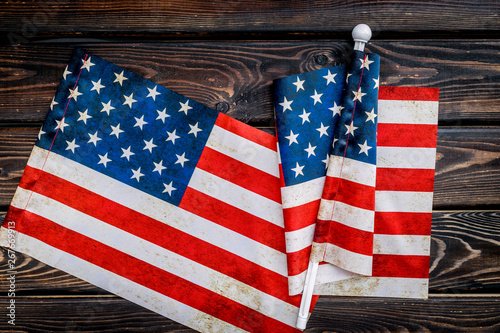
<point x="237" y="77"/>
<point x="464" y="258"/>
<point x="48" y="19"/>
<point x="338" y="314"/>
<point x="467" y="168"/>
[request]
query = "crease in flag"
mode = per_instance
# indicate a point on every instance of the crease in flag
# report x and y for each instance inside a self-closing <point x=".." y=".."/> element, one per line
<point x="158" y="199"/>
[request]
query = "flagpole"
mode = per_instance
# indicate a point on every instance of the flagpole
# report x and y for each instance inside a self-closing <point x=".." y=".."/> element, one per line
<point x="361" y="35"/>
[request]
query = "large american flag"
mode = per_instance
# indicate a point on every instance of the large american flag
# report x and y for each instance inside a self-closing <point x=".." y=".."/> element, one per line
<point x="158" y="199"/>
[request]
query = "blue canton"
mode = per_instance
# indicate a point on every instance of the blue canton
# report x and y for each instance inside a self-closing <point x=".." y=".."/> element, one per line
<point x="126" y="127"/>
<point x="307" y="106"/>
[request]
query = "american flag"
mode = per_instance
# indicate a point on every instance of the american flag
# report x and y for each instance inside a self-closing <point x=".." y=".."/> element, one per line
<point x="158" y="199"/>
<point x="406" y="153"/>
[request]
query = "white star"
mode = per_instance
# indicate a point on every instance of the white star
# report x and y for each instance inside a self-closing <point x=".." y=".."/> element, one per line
<point x="194" y="129"/>
<point x="66" y="72"/>
<point x="103" y="159"/>
<point x="87" y="64"/>
<point x="84" y="116"/>
<point x="326" y="160"/>
<point x="153" y="93"/>
<point x="53" y="103"/>
<point x="129" y="100"/>
<point x="61" y="125"/>
<point x="350" y="129"/>
<point x="181" y="159"/>
<point x="287" y="105"/>
<point x="298" y="170"/>
<point x="371" y="116"/>
<point x="120" y="78"/>
<point x="299" y="84"/>
<point x="94" y="138"/>
<point x="169" y="188"/>
<point x="162" y="115"/>
<point x="185" y="107"/>
<point x="322" y="130"/>
<point x="127" y="153"/>
<point x="292" y="138"/>
<point x="97" y="86"/>
<point x="376" y="83"/>
<point x="149" y="145"/>
<point x="116" y="131"/>
<point x="107" y="107"/>
<point x="347" y="77"/>
<point x="305" y="116"/>
<point x="72" y="145"/>
<point x="159" y="167"/>
<point x="336" y="109"/>
<point x="310" y="150"/>
<point x="333" y="143"/>
<point x="137" y="174"/>
<point x="330" y="78"/>
<point x="358" y="94"/>
<point x="74" y="94"/>
<point x="40" y="134"/>
<point x="317" y="97"/>
<point x="364" y="148"/>
<point x="172" y="136"/>
<point x="365" y="63"/>
<point x="139" y="122"/>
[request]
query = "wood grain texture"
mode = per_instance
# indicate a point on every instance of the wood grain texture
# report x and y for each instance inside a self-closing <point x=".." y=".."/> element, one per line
<point x="467" y="168"/>
<point x="331" y="314"/>
<point x="238" y="76"/>
<point x="56" y="18"/>
<point x="464" y="258"/>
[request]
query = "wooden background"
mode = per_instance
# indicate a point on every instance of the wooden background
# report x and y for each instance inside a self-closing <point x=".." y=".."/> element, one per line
<point x="225" y="55"/>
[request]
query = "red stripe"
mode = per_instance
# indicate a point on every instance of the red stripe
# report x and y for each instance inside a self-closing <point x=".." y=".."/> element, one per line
<point x="388" y="265"/>
<point x="406" y="135"/>
<point x="408" y="94"/>
<point x="233" y="218"/>
<point x="346" y="237"/>
<point x="146" y="274"/>
<point x="154" y="231"/>
<point x="301" y="216"/>
<point x="298" y="261"/>
<point x="390" y="223"/>
<point x="240" y="174"/>
<point x="393" y="179"/>
<point x="351" y="193"/>
<point x="248" y="132"/>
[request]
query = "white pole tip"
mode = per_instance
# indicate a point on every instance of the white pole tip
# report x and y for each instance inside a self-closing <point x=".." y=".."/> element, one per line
<point x="361" y="33"/>
<point x="301" y="323"/>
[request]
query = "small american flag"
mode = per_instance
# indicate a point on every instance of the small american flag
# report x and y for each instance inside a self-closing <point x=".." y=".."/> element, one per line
<point x="158" y="199"/>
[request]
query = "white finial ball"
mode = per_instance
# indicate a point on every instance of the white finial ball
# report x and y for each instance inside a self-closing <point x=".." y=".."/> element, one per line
<point x="361" y="33"/>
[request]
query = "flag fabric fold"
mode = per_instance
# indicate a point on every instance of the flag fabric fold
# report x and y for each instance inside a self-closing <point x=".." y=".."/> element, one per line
<point x="158" y="199"/>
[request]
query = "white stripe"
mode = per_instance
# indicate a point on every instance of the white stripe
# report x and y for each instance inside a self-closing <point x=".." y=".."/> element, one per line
<point x="408" y="112"/>
<point x="237" y="196"/>
<point x="401" y="244"/>
<point x="352" y="216"/>
<point x="376" y="287"/>
<point x="348" y="260"/>
<point x="158" y="256"/>
<point x="122" y="287"/>
<point x="300" y="194"/>
<point x="244" y="150"/>
<point x="406" y="157"/>
<point x="403" y="201"/>
<point x="161" y="211"/>
<point x="350" y="169"/>
<point x="326" y="273"/>
<point x="299" y="239"/>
